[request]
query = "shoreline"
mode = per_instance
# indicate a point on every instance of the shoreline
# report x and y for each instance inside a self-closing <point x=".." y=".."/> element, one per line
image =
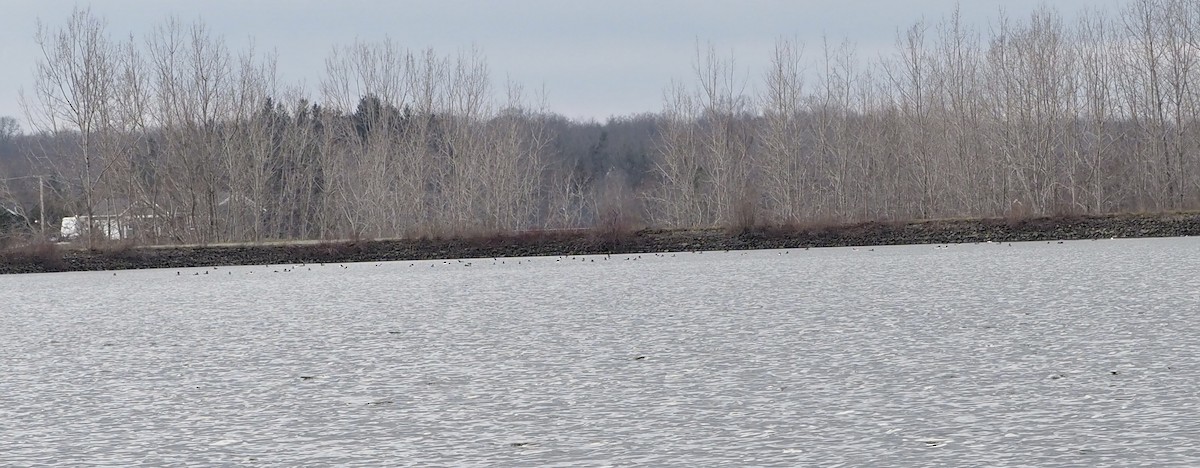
<point x="50" y="258"/>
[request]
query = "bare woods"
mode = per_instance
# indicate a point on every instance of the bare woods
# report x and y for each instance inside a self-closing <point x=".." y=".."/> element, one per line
<point x="197" y="143"/>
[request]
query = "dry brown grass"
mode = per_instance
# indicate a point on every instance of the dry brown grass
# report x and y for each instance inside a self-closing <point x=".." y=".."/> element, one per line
<point x="38" y="255"/>
<point x="614" y="230"/>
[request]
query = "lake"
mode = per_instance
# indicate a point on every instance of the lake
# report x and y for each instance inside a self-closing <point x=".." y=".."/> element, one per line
<point x="1082" y="353"/>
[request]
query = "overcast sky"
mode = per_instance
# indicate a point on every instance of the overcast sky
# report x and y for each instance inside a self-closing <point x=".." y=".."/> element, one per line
<point x="594" y="59"/>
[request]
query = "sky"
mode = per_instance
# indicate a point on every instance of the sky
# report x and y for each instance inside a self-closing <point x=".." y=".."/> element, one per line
<point x="588" y="59"/>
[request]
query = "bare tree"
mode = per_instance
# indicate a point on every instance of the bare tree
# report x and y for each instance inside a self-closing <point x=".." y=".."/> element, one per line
<point x="1032" y="91"/>
<point x="706" y="149"/>
<point x="1095" y="40"/>
<point x="972" y="177"/>
<point x="9" y="128"/>
<point x="832" y="130"/>
<point x="73" y="91"/>
<point x="912" y="75"/>
<point x="785" y="170"/>
<point x="1142" y="87"/>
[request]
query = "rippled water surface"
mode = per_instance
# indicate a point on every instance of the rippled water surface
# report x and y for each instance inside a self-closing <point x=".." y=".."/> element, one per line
<point x="1083" y="353"/>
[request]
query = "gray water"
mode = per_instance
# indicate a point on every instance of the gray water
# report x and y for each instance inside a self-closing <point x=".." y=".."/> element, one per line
<point x="1076" y="354"/>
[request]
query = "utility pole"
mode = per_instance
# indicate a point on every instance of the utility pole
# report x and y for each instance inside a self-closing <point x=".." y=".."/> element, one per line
<point x="42" y="206"/>
<point x="41" y="201"/>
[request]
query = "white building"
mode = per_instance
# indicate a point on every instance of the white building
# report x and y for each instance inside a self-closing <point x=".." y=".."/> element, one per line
<point x="107" y="226"/>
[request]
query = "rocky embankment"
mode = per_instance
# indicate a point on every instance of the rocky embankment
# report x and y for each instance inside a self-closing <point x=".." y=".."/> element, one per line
<point x="50" y="258"/>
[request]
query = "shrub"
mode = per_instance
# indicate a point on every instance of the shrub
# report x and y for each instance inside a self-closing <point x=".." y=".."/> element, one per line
<point x="36" y="256"/>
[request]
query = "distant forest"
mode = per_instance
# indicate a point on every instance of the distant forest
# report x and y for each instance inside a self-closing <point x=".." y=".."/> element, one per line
<point x="193" y="142"/>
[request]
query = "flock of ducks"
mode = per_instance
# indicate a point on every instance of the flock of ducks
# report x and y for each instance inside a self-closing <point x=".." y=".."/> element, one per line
<point x="495" y="261"/>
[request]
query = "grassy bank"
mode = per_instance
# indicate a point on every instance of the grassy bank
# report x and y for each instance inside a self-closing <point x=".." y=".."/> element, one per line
<point x="53" y="258"/>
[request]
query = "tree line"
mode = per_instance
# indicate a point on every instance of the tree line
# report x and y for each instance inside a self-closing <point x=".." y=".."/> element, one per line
<point x="1037" y="115"/>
